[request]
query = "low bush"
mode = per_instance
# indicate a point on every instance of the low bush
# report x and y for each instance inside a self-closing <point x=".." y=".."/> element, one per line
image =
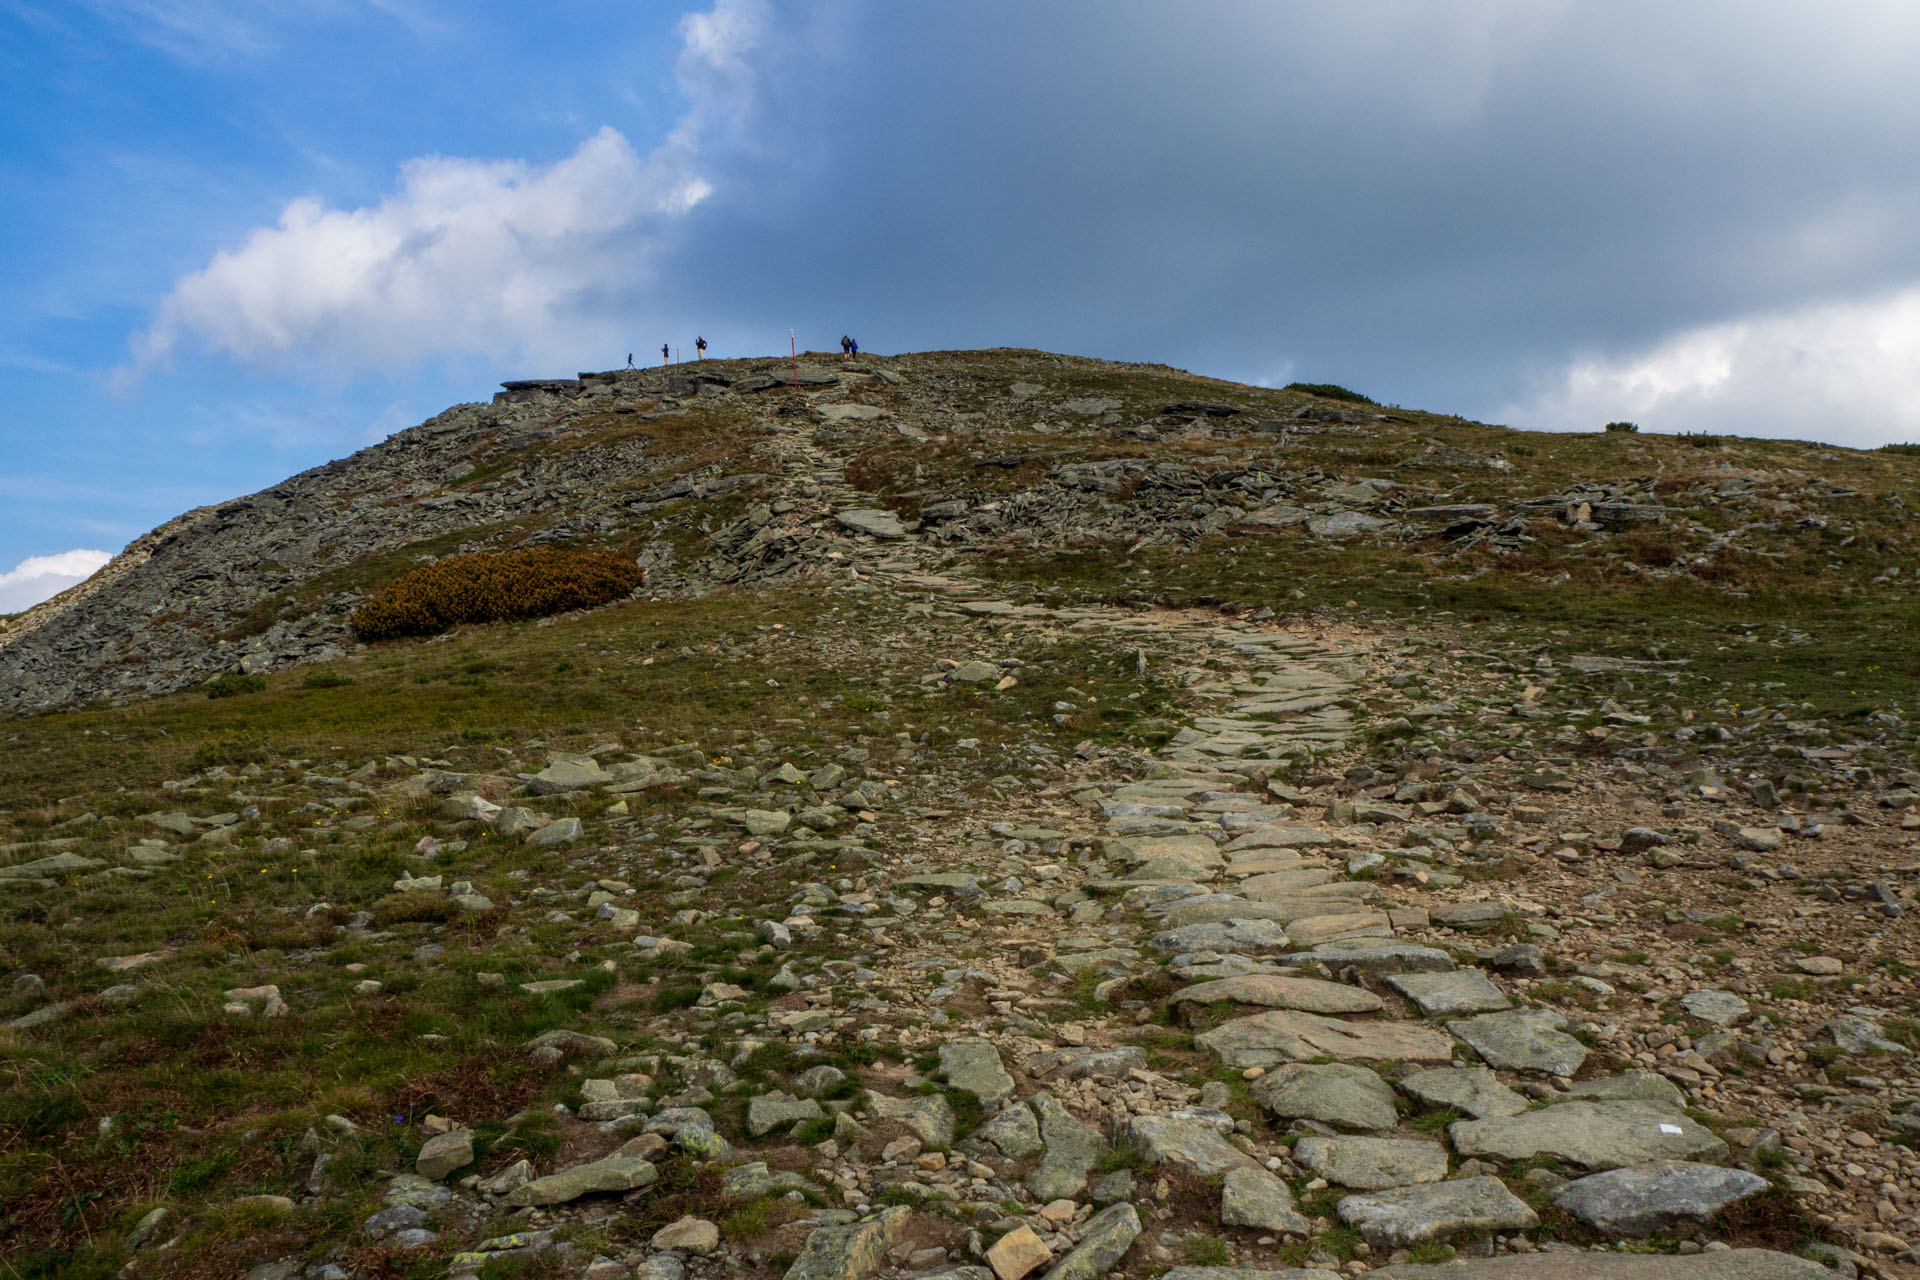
<point x="1623" y="428"/>
<point x="1330" y="391"/>
<point x="494" y="586"/>
<point x="235" y="683"/>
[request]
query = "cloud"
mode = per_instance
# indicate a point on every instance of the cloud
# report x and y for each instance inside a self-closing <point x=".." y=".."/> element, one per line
<point x="40" y="578"/>
<point x="496" y="258"/>
<point x="1847" y="372"/>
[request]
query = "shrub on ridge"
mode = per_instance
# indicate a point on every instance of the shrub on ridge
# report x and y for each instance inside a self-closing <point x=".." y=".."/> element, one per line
<point x="494" y="586"/>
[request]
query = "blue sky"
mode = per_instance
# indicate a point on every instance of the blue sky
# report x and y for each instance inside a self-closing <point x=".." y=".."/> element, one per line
<point x="238" y="238"/>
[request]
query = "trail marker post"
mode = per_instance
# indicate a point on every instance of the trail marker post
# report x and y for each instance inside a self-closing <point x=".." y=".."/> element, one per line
<point x="794" y="347"/>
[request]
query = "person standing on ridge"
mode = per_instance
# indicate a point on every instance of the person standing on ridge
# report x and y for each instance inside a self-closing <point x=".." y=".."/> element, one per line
<point x="853" y="346"/>
<point x="846" y="346"/>
<point x="629" y="359"/>
<point x="700" y="347"/>
<point x="663" y="354"/>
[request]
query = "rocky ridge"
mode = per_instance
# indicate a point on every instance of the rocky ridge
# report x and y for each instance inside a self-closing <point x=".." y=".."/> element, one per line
<point x="1384" y="946"/>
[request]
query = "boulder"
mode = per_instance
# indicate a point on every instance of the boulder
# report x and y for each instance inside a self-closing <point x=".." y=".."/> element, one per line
<point x="1403" y="1216"/>
<point x="1593" y="1135"/>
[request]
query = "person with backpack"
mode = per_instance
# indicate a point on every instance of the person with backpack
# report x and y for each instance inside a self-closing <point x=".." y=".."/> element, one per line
<point x="846" y="346"/>
<point x="700" y="348"/>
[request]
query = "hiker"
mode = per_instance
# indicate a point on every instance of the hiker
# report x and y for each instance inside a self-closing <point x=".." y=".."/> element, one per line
<point x="663" y="354"/>
<point x="853" y="346"/>
<point x="700" y="347"/>
<point x="629" y="359"/>
<point x="846" y="346"/>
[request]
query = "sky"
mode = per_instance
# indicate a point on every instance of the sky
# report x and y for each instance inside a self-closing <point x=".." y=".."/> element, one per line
<point x="239" y="238"/>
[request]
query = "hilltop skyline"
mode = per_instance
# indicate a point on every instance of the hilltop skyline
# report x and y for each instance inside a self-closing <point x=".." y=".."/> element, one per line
<point x="245" y="239"/>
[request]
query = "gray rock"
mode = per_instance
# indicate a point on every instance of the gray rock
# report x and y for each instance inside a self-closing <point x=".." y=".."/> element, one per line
<point x="1103" y="1241"/>
<point x="1014" y="1131"/>
<point x="1403" y="1216"/>
<point x="1238" y="937"/>
<point x="1339" y="1094"/>
<point x="1721" y="1008"/>
<point x="974" y="1066"/>
<point x="1628" y="1086"/>
<point x="873" y="522"/>
<point x="570" y="773"/>
<point x="815" y="1081"/>
<point x="1103" y="1064"/>
<point x="1390" y="957"/>
<point x="1653" y="1198"/>
<point x="1071" y="1149"/>
<point x="59" y="864"/>
<point x="1856" y="1034"/>
<point x="562" y="831"/>
<point x="1523" y="1040"/>
<point x="443" y="1153"/>
<point x="1470" y="916"/>
<point x="1733" y="1264"/>
<point x="613" y="1173"/>
<point x="851" y="1251"/>
<point x="1249" y="1273"/>
<point x="753" y="1180"/>
<point x="1274" y="991"/>
<point x="776" y="1111"/>
<point x="1445" y="995"/>
<point x="1474" y="1091"/>
<point x="930" y="1117"/>
<point x="1251" y="1197"/>
<point x="1190" y="1143"/>
<point x="1269" y="1039"/>
<point x="1369" y="1164"/>
<point x="1593" y="1135"/>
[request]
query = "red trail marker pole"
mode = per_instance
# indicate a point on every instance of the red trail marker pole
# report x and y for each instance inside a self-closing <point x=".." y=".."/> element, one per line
<point x="794" y="347"/>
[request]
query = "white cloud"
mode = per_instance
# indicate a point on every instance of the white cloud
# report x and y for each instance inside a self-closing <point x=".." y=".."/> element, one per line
<point x="500" y="258"/>
<point x="40" y="578"/>
<point x="1846" y="372"/>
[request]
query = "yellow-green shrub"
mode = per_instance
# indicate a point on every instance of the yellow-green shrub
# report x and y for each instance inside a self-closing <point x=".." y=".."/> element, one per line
<point x="494" y="586"/>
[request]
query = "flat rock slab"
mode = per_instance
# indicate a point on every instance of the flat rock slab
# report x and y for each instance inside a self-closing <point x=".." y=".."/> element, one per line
<point x="1281" y="884"/>
<point x="1238" y="937"/>
<point x="1372" y="1164"/>
<point x="1474" y="1091"/>
<point x="849" y="1252"/>
<point x="1653" y="1198"/>
<point x="1721" y="1008"/>
<point x="930" y="1117"/>
<point x="1523" y="1040"/>
<point x="1387" y="957"/>
<point x="1255" y="1198"/>
<point x="1308" y="995"/>
<point x="1248" y="1273"/>
<point x="1106" y="1237"/>
<point x="1070" y="1150"/>
<point x="1403" y="1216"/>
<point x="1734" y="1264"/>
<point x="613" y="1173"/>
<point x="771" y="1111"/>
<point x="1471" y="916"/>
<point x="1593" y="1135"/>
<point x="1448" y="995"/>
<point x="1014" y="1131"/>
<point x="1628" y="1086"/>
<point x="1269" y="1039"/>
<point x="1282" y="835"/>
<point x="1192" y="1144"/>
<point x="974" y="1066"/>
<point x="872" y="522"/>
<point x="1335" y="1093"/>
<point x="1347" y="926"/>
<point x="1207" y="908"/>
